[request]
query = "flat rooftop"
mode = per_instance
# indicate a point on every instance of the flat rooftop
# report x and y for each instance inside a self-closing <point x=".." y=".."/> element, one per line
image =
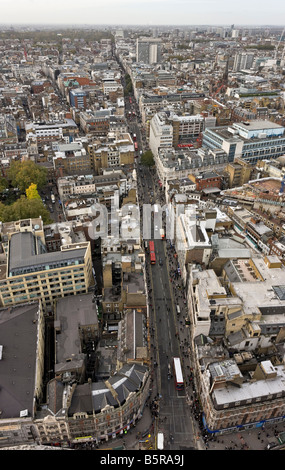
<point x="256" y="125"/>
<point x="224" y="133"/>
<point x="19" y="340"/>
<point x="260" y="293"/>
<point x="251" y="390"/>
<point x="267" y="184"/>
<point x="23" y="256"/>
<point x="72" y="312"/>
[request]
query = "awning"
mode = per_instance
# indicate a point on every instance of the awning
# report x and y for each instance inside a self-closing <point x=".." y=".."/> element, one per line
<point x="211" y="190"/>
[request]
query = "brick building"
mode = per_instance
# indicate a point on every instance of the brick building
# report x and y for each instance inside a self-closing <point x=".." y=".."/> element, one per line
<point x="208" y="179"/>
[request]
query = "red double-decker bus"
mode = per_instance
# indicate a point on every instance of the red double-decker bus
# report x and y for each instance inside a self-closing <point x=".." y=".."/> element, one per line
<point x="136" y="146"/>
<point x="151" y="252"/>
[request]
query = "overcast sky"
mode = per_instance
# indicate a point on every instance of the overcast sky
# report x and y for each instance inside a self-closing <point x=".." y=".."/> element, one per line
<point x="144" y="12"/>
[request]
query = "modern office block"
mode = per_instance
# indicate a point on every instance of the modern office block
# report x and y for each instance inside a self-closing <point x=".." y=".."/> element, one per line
<point x="78" y="98"/>
<point x="148" y="50"/>
<point x="252" y="141"/>
<point x="33" y="273"/>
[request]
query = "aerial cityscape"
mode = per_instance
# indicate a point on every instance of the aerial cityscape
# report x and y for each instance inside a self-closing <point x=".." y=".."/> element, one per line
<point x="142" y="233"/>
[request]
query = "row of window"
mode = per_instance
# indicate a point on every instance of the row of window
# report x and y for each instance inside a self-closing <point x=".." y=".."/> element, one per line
<point x="250" y="401"/>
<point x="265" y="143"/>
<point x="51" y="278"/>
<point x="47" y="295"/>
<point x="45" y="267"/>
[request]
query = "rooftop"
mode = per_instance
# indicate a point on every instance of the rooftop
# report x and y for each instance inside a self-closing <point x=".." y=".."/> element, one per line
<point x="19" y="341"/>
<point x="255" y="125"/>
<point x="25" y="255"/>
<point x="73" y="312"/>
<point x="251" y="390"/>
<point x="113" y="392"/>
<point x="255" y="286"/>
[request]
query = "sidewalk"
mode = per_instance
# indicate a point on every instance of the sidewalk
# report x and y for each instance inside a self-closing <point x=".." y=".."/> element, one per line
<point x="250" y="439"/>
<point x="143" y="435"/>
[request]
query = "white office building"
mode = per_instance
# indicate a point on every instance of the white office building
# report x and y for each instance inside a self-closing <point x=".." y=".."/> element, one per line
<point x="252" y="141"/>
<point x="161" y="133"/>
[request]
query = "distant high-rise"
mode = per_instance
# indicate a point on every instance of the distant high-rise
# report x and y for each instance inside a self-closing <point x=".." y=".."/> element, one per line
<point x="221" y="32"/>
<point x="235" y="33"/>
<point x="148" y="50"/>
<point x="120" y="33"/>
<point x="155" y="33"/>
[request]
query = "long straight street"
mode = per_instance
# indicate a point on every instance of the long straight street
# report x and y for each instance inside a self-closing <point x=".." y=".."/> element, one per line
<point x="175" y="417"/>
<point x="168" y="338"/>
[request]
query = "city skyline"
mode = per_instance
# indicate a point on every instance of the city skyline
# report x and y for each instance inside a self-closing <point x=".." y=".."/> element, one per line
<point x="143" y="12"/>
<point x="142" y="229"/>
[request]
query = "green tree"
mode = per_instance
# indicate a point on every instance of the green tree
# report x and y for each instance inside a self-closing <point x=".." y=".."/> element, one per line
<point x="129" y="86"/>
<point x="128" y="89"/>
<point x="3" y="184"/>
<point x="147" y="158"/>
<point x="24" y="208"/>
<point x="23" y="174"/>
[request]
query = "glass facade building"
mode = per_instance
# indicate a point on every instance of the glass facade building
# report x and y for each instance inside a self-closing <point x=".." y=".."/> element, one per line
<point x="251" y="141"/>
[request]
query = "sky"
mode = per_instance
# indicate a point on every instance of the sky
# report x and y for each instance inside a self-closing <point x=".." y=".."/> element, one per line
<point x="143" y="12"/>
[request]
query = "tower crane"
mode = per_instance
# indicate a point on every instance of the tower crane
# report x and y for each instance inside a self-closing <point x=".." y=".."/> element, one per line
<point x="276" y="49"/>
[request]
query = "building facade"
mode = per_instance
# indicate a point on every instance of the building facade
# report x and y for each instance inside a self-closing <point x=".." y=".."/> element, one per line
<point x="251" y="141"/>
<point x="95" y="412"/>
<point x="161" y="133"/>
<point x="78" y="98"/>
<point x="206" y="180"/>
<point x="148" y="50"/>
<point x="233" y="401"/>
<point x="243" y="61"/>
<point x="33" y="273"/>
